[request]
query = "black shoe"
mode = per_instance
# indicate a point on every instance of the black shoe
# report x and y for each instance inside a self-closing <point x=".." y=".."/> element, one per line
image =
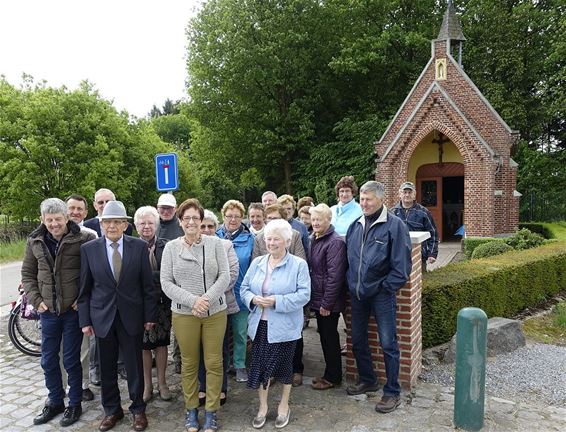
<point x="48" y="413"/>
<point x="88" y="395"/>
<point x="122" y="373"/>
<point x="71" y="415"/>
<point x="360" y="388"/>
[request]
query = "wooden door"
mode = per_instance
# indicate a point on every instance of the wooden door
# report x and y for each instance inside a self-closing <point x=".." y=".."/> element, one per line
<point x="429" y="194"/>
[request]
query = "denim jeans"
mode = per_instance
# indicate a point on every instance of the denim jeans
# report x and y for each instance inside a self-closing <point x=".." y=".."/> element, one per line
<point x="54" y="329"/>
<point x="383" y="306"/>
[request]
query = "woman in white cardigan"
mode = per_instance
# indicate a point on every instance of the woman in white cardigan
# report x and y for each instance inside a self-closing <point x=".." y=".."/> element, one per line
<point x="195" y="275"/>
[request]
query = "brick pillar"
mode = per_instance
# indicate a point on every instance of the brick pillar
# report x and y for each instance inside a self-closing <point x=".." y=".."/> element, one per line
<point x="409" y="331"/>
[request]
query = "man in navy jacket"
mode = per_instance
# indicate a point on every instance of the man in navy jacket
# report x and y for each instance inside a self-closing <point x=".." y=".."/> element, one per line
<point x="417" y="218"/>
<point x="117" y="301"/>
<point x="379" y="264"/>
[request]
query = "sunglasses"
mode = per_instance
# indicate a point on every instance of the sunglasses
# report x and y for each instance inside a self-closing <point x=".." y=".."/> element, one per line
<point x="102" y="202"/>
<point x="203" y="226"/>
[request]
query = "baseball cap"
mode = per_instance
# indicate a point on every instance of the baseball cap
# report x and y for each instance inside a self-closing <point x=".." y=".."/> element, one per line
<point x="167" y="200"/>
<point x="407" y="185"/>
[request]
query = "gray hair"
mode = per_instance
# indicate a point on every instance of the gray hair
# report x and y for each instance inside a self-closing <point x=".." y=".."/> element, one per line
<point x="53" y="206"/>
<point x="321" y="210"/>
<point x="377" y="188"/>
<point x="145" y="211"/>
<point x="208" y="214"/>
<point x="104" y="190"/>
<point x="268" y="193"/>
<point x="280" y="227"/>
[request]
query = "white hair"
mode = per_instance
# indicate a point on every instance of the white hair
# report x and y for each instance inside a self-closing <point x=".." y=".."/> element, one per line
<point x="210" y="215"/>
<point x="280" y="227"/>
<point x="145" y="211"/>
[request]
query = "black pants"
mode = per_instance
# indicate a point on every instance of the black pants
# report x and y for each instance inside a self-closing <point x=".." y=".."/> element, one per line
<point x="330" y="342"/>
<point x="298" y="365"/>
<point x="118" y="339"/>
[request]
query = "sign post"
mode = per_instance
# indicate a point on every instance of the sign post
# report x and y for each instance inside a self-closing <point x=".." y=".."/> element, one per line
<point x="166" y="172"/>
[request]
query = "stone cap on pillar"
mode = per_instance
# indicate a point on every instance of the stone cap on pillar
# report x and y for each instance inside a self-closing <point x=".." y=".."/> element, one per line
<point x="417" y="237"/>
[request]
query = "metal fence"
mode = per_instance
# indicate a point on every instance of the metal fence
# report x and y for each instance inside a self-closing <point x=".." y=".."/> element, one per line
<point x="542" y="207"/>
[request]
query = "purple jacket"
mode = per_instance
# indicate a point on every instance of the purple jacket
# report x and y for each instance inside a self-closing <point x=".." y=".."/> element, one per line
<point x="327" y="265"/>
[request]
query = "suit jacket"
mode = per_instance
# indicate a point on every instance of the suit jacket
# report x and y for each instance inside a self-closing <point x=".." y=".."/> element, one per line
<point x="133" y="296"/>
<point x="94" y="224"/>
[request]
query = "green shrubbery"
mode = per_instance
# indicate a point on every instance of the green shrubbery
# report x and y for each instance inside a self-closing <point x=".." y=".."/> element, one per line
<point x="524" y="239"/>
<point x="490" y="249"/>
<point x="501" y="285"/>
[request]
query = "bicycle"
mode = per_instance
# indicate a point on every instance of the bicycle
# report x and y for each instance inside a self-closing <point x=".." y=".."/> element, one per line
<point x="24" y="327"/>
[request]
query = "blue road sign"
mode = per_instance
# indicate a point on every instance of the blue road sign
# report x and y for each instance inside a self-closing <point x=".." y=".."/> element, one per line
<point x="166" y="172"/>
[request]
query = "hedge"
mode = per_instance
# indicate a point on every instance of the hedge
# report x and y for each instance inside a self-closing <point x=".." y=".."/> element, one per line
<point x="501" y="285"/>
<point x="490" y="249"/>
<point x="470" y="243"/>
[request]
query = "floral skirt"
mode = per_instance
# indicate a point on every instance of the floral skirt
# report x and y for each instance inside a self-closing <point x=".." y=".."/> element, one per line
<point x="270" y="360"/>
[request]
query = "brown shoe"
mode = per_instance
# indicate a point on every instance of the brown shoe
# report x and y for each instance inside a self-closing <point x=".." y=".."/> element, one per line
<point x="140" y="421"/>
<point x="110" y="421"/>
<point x="321" y="384"/>
<point x="297" y="379"/>
<point x="388" y="404"/>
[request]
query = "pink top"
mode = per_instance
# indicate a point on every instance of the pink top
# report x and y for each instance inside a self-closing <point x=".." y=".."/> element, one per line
<point x="265" y="289"/>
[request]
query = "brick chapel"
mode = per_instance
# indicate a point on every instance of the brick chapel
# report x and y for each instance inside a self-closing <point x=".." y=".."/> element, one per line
<point x="451" y="143"/>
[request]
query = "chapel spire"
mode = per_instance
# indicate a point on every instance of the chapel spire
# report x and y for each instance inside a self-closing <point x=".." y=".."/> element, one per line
<point x="451" y="30"/>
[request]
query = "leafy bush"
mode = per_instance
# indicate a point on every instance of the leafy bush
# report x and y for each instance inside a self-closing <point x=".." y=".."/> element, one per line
<point x="470" y="243"/>
<point x="490" y="249"/>
<point x="501" y="285"/>
<point x="524" y="239"/>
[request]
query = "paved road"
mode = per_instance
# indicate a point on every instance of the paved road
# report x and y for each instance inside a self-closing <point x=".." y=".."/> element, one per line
<point x="428" y="408"/>
<point x="9" y="281"/>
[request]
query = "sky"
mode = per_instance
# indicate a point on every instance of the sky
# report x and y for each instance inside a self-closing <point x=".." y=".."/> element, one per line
<point x="132" y="51"/>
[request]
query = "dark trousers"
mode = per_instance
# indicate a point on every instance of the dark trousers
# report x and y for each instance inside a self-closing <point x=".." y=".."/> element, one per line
<point x="330" y="342"/>
<point x="298" y="365"/>
<point x="131" y="346"/>
<point x="383" y="306"/>
<point x="55" y="328"/>
<point x="225" y="360"/>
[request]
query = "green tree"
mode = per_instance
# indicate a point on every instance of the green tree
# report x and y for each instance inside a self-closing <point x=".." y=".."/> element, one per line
<point x="55" y="142"/>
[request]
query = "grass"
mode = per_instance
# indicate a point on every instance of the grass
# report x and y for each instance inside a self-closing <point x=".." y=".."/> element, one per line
<point x="13" y="251"/>
<point x="549" y="328"/>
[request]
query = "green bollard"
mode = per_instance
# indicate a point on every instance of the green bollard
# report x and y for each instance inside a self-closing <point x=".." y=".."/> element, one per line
<point x="471" y="344"/>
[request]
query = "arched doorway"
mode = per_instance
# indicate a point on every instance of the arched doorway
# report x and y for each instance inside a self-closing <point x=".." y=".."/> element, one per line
<point x="440" y="188"/>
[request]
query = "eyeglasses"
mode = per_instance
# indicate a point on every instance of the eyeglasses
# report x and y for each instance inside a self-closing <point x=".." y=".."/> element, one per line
<point x="112" y="222"/>
<point x="232" y="217"/>
<point x="191" y="218"/>
<point x="102" y="202"/>
<point x="210" y="227"/>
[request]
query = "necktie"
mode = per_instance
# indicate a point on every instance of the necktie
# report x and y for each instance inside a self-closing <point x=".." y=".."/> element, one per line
<point x="116" y="261"/>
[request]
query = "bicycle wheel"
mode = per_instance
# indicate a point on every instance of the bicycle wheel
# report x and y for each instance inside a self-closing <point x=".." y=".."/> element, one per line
<point x="25" y="334"/>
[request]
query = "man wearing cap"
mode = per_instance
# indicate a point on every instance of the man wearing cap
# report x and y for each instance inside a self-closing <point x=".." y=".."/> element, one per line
<point x="101" y="198"/>
<point x="117" y="301"/>
<point x="417" y="218"/>
<point x="170" y="229"/>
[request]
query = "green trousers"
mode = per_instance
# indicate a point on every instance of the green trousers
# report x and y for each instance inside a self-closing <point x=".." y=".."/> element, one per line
<point x="240" y="338"/>
<point x="191" y="331"/>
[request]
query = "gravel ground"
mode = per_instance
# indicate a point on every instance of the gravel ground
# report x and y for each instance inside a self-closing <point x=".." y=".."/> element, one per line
<point x="535" y="373"/>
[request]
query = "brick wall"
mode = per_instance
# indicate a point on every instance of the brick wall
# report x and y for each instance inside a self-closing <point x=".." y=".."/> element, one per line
<point x="456" y="108"/>
<point x="409" y="331"/>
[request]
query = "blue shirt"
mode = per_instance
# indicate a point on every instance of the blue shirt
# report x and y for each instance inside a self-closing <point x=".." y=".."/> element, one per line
<point x="344" y="214"/>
